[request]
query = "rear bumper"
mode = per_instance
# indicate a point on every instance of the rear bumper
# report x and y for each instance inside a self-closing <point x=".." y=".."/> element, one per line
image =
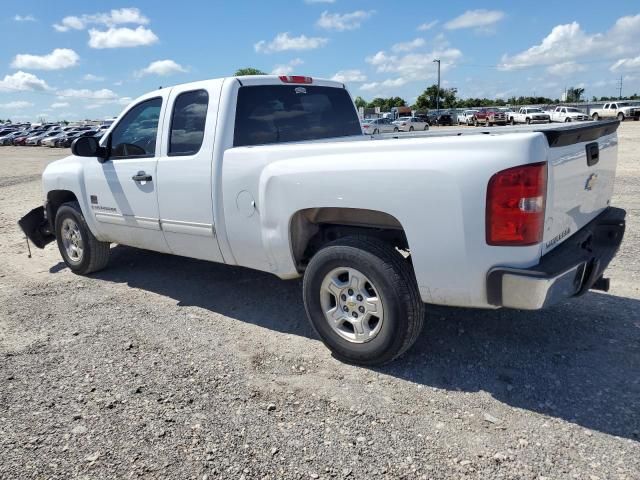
<point x="567" y="271"/>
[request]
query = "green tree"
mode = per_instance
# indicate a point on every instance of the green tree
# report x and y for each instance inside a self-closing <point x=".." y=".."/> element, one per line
<point x="360" y="102"/>
<point x="248" y="71"/>
<point x="429" y="98"/>
<point x="574" y="94"/>
<point x="386" y="104"/>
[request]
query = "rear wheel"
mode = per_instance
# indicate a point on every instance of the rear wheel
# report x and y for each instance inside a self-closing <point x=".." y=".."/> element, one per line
<point x="513" y="122"/>
<point x="362" y="299"/>
<point x="426" y="127"/>
<point x="80" y="250"/>
<point x="411" y="129"/>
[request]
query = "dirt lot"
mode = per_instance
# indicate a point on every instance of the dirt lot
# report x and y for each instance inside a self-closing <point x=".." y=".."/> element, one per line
<point x="162" y="367"/>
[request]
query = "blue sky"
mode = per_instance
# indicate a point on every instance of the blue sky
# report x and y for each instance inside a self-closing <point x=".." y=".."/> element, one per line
<point x="76" y="60"/>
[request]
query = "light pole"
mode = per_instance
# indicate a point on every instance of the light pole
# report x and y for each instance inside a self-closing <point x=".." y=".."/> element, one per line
<point x="438" y="92"/>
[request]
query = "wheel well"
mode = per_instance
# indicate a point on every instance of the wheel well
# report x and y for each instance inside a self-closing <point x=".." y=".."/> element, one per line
<point x="55" y="198"/>
<point x="312" y="228"/>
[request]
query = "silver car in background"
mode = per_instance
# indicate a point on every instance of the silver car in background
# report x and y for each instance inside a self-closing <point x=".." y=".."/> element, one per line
<point x="374" y="126"/>
<point x="409" y="124"/>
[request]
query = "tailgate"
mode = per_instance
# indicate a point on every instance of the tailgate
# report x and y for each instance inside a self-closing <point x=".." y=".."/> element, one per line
<point x="582" y="167"/>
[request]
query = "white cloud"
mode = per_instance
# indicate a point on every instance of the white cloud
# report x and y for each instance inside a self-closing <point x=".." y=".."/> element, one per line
<point x="24" y="18"/>
<point x="386" y="84"/>
<point x="60" y="105"/>
<point x="408" y="46"/>
<point x="345" y="21"/>
<point x="427" y="26"/>
<point x="162" y="68"/>
<point x="22" y="81"/>
<point x="111" y="19"/>
<point x="121" y="37"/>
<point x="103" y="94"/>
<point x="346" y="76"/>
<point x="626" y="64"/>
<point x="569" y="42"/>
<point x="415" y="66"/>
<point x="475" y="19"/>
<point x="89" y="77"/>
<point x="287" y="68"/>
<point x="565" y="69"/>
<point x="283" y="42"/>
<point x="58" y="59"/>
<point x="124" y="100"/>
<point x="18" y="104"/>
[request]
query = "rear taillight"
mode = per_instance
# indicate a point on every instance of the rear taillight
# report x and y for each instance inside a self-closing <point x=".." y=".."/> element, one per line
<point x="296" y="79"/>
<point x="515" y="205"/>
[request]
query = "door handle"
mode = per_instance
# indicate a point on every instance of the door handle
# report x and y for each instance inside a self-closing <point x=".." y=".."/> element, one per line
<point x="141" y="177"/>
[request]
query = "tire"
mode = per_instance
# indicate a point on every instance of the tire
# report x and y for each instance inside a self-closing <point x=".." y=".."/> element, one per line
<point x="376" y="132"/>
<point x="94" y="254"/>
<point x="487" y="123"/>
<point x="621" y="117"/>
<point x="411" y="129"/>
<point x="513" y="122"/>
<point x="426" y="127"/>
<point x="596" y="117"/>
<point x="527" y="121"/>
<point x="395" y="129"/>
<point x="393" y="282"/>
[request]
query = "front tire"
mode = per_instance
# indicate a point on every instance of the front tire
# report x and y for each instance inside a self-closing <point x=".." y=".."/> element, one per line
<point x="362" y="299"/>
<point x="80" y="250"/>
<point x="596" y="117"/>
<point x="621" y="117"/>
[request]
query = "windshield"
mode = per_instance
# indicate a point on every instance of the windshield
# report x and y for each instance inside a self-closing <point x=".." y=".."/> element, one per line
<point x="293" y="113"/>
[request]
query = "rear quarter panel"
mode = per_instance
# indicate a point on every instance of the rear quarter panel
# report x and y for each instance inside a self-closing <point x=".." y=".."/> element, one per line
<point x="435" y="187"/>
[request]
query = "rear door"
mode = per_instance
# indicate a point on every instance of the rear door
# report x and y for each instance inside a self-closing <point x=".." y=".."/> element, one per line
<point x="185" y="177"/>
<point x="581" y="171"/>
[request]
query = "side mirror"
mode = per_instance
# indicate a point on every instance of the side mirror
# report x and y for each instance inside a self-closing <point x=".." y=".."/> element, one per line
<point x="88" y="147"/>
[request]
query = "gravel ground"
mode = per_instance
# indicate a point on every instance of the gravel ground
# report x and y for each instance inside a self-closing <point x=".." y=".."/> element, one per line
<point x="163" y="367"/>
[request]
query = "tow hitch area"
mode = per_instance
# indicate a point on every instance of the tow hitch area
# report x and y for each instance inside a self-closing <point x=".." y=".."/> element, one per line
<point x="36" y="228"/>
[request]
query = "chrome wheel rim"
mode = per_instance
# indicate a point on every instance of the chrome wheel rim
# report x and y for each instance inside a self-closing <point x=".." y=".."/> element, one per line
<point x="351" y="305"/>
<point x="72" y="240"/>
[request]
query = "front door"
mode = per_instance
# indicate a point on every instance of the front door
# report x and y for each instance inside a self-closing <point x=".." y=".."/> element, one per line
<point x="122" y="190"/>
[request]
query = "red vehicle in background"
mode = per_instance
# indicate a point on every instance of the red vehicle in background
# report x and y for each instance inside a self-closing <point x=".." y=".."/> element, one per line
<point x="489" y="116"/>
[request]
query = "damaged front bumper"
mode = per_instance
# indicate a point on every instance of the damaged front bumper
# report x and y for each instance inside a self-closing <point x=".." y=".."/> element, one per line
<point x="36" y="227"/>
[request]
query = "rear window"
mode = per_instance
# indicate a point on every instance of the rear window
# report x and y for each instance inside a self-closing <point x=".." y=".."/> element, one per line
<point x="293" y="113"/>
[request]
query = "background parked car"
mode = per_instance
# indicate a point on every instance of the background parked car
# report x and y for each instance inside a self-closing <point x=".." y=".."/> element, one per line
<point x="529" y="115"/>
<point x="37" y="139"/>
<point x="619" y="110"/>
<point x="67" y="140"/>
<point x="409" y="124"/>
<point x="489" y="116"/>
<point x="568" y="114"/>
<point x="373" y="126"/>
<point x="466" y="117"/>
<point x="8" y="138"/>
<point x="439" y="118"/>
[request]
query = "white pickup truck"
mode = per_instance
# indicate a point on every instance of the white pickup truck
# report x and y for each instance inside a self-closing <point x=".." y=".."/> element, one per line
<point x="274" y="173"/>
<point x="619" y="110"/>
<point x="568" y="114"/>
<point x="528" y="115"/>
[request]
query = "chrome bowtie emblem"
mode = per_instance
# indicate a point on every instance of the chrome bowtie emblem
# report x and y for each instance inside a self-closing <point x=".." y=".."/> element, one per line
<point x="591" y="181"/>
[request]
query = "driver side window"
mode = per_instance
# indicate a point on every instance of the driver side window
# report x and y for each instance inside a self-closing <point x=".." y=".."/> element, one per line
<point x="135" y="135"/>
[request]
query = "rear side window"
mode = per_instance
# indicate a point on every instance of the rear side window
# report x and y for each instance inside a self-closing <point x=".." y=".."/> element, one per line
<point x="187" y="122"/>
<point x="292" y="113"/>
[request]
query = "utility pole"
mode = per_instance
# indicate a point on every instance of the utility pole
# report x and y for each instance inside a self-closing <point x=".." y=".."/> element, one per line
<point x="438" y="93"/>
<point x="620" y="89"/>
